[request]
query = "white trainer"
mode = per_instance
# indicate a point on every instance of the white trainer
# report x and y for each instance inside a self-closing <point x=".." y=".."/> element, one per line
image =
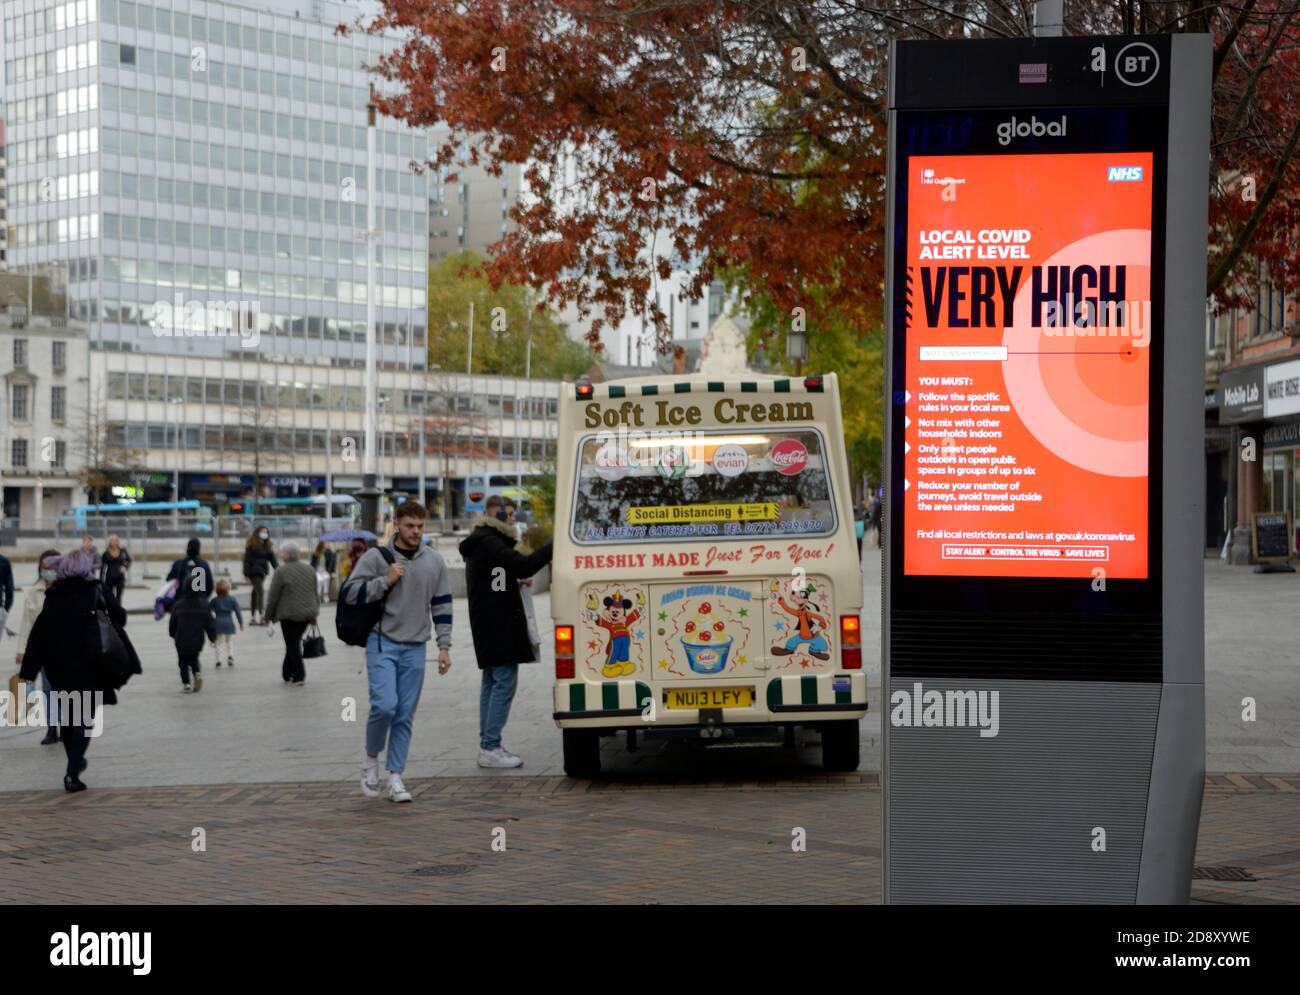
<point x="370" y="778"/>
<point x="498" y="758"/>
<point x="397" y="790"/>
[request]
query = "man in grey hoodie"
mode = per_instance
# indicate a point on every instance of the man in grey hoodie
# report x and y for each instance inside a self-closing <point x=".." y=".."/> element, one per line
<point x="418" y="606"/>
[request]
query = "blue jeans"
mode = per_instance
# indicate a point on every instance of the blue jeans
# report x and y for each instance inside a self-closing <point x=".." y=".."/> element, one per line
<point x="817" y="644"/>
<point x="396" y="676"/>
<point x="495" y="696"/>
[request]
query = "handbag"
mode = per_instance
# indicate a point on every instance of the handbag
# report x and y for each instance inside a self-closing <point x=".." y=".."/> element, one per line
<point x="313" y="643"/>
<point x="110" y="649"/>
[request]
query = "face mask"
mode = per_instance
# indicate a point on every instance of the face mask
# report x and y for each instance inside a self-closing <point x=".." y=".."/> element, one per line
<point x="264" y="535"/>
<point x="501" y="516"/>
<point x="49" y="576"/>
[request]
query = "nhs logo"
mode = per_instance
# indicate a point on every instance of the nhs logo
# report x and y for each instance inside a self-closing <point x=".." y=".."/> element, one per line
<point x="1124" y="174"/>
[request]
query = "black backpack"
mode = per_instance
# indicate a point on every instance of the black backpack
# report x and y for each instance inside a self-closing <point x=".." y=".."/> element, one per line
<point x="354" y="623"/>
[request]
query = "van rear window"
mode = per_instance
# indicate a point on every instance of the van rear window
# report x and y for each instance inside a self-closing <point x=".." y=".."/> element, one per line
<point x="635" y="487"/>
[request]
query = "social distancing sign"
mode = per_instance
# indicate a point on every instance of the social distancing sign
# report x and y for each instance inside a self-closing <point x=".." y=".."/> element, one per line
<point x="675" y="514"/>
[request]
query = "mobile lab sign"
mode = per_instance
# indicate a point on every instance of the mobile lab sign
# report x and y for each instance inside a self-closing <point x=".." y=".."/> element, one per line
<point x="1047" y="230"/>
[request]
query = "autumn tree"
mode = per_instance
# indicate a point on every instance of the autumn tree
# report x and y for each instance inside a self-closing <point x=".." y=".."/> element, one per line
<point x="752" y="134"/>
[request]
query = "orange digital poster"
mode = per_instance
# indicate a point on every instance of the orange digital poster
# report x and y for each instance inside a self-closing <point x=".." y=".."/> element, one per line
<point x="1028" y="337"/>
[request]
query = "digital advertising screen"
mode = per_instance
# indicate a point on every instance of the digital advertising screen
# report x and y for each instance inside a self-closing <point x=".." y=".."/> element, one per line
<point x="1028" y="362"/>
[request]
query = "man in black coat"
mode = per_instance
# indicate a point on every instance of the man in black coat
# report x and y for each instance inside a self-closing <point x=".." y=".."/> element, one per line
<point x="493" y="569"/>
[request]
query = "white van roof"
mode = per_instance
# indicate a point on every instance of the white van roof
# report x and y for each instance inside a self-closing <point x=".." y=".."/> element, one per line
<point x="703" y="383"/>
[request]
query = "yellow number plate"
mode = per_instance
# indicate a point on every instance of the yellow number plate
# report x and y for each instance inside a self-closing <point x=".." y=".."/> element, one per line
<point x="710" y="697"/>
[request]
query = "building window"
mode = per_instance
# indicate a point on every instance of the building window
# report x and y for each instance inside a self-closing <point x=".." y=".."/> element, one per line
<point x="20" y="352"/>
<point x="18" y="453"/>
<point x="58" y="403"/>
<point x="19" y="400"/>
<point x="60" y="460"/>
<point x="59" y="356"/>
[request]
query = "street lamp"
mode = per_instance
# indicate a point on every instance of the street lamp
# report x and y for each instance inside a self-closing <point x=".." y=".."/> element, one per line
<point x="176" y="472"/>
<point x="796" y="349"/>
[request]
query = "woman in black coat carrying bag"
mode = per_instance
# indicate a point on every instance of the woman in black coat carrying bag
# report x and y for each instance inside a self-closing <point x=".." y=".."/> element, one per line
<point x="79" y="642"/>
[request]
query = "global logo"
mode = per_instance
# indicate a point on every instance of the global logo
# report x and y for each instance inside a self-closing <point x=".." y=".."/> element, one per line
<point x="1008" y="130"/>
<point x="789" y="456"/>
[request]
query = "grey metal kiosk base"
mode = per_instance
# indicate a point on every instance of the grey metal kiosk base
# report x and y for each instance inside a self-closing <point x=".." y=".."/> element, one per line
<point x="1091" y="790"/>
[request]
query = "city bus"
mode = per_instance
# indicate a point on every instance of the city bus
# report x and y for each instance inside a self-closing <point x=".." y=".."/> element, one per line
<point x="705" y="578"/>
<point x="479" y="487"/>
<point x="133" y="518"/>
<point x="315" y="506"/>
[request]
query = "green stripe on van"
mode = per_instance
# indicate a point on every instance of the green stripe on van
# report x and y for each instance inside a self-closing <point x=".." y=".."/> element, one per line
<point x="609" y="696"/>
<point x="773" y="693"/>
<point x="717" y="387"/>
<point x="577" y="697"/>
<point x="617" y="391"/>
<point x="844" y="697"/>
<point x="649" y="390"/>
<point x="781" y="386"/>
<point x="642" y="693"/>
<point x="682" y="388"/>
<point x="749" y="387"/>
<point x="807" y="690"/>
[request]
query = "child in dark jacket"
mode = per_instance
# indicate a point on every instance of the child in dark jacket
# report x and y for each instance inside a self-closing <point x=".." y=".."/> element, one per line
<point x="225" y="610"/>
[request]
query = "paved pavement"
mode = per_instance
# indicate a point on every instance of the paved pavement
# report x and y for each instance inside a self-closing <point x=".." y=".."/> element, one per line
<point x="268" y="773"/>
<point x="247" y="727"/>
<point x="635" y="839"/>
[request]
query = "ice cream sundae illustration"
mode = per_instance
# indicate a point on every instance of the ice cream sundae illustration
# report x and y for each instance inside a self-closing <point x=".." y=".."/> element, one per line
<point x="706" y="640"/>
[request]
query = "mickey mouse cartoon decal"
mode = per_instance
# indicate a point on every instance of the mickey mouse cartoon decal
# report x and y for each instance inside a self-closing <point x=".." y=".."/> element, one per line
<point x="617" y="618"/>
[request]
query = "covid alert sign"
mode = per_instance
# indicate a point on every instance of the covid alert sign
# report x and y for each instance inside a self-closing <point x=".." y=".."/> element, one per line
<point x="1028" y="361"/>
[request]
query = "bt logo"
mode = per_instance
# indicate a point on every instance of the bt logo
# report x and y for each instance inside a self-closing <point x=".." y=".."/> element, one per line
<point x="1126" y="174"/>
<point x="1008" y="130"/>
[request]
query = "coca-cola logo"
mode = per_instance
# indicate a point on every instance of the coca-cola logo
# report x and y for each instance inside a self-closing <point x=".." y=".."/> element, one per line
<point x="789" y="457"/>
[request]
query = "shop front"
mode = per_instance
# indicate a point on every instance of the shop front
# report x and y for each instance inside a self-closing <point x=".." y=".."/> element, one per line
<point x="1262" y="403"/>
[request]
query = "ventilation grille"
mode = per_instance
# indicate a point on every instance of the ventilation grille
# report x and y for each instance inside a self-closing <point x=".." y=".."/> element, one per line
<point x="1024" y="646"/>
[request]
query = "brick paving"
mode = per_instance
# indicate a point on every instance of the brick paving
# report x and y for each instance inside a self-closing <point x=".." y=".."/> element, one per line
<point x="621" y="840"/>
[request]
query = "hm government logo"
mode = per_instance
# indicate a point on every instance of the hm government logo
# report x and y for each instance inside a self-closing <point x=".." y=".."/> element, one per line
<point x="1014" y="128"/>
<point x="97" y="949"/>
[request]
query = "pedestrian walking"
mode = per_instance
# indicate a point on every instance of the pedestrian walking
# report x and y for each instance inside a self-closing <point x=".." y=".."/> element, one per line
<point x="323" y="561"/>
<point x="259" y="560"/>
<point x="356" y="549"/>
<point x="191" y="614"/>
<point x="6" y="594"/>
<point x="410" y="580"/>
<point x="874" y="510"/>
<point x="498" y="622"/>
<point x="59" y="647"/>
<point x="293" y="603"/>
<point x="225" y="610"/>
<point x="114" y="564"/>
<point x="33" y="601"/>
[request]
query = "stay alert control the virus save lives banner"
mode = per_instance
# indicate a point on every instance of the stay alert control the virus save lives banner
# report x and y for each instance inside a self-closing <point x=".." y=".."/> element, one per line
<point x="1027" y="365"/>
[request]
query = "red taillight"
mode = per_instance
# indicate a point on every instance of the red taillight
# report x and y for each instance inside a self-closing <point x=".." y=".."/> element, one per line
<point x="813" y="383"/>
<point x="850" y="642"/>
<point x="564" y="652"/>
<point x="584" y="390"/>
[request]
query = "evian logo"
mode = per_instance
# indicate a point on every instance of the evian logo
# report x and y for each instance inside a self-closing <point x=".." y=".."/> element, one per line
<point x="789" y="456"/>
<point x="1008" y="130"/>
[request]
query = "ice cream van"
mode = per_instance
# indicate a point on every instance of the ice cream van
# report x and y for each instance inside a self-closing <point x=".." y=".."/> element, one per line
<point x="705" y="577"/>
